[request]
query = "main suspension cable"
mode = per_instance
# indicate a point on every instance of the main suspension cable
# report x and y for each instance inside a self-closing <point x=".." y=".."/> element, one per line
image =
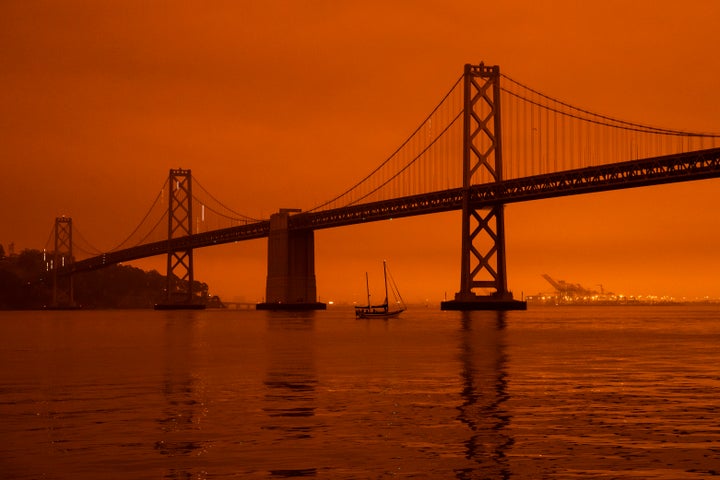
<point x="239" y="215"/>
<point x="76" y="232"/>
<point x="354" y="202"/>
<point x="385" y="162"/>
<point x="159" y="195"/>
<point x="629" y="125"/>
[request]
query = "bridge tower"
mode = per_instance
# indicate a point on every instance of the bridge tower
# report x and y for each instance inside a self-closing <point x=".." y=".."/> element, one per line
<point x="62" y="292"/>
<point x="482" y="256"/>
<point x="180" y="274"/>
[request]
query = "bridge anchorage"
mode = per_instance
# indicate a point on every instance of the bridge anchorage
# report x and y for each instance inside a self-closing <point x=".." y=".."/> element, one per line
<point x="291" y="281"/>
<point x="482" y="255"/>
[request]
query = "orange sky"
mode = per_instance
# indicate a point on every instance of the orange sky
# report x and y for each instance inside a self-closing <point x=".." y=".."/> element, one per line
<point x="285" y="103"/>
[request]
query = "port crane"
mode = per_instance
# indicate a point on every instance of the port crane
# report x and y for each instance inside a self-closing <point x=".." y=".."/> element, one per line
<point x="568" y="289"/>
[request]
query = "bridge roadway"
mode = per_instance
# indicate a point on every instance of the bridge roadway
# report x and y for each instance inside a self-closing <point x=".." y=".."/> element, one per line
<point x="682" y="167"/>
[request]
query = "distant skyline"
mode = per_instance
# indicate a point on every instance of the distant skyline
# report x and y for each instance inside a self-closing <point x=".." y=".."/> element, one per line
<point x="284" y="104"/>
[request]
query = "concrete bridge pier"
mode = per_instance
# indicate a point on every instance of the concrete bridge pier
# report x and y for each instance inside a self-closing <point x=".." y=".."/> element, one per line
<point x="291" y="267"/>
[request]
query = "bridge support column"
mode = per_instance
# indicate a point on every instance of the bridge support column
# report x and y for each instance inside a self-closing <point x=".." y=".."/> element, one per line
<point x="180" y="273"/>
<point x="291" y="267"/>
<point x="63" y="257"/>
<point x="482" y="257"/>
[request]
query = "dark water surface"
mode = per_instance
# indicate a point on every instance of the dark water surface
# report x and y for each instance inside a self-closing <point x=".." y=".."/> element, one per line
<point x="566" y="393"/>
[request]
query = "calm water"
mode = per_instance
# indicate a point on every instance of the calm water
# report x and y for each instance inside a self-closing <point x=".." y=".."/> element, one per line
<point x="573" y="392"/>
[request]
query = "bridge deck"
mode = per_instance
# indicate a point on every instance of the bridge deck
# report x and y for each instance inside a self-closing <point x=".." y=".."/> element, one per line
<point x="682" y="167"/>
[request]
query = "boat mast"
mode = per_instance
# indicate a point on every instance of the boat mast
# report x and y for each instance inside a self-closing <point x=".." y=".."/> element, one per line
<point x="367" y="287"/>
<point x="385" y="276"/>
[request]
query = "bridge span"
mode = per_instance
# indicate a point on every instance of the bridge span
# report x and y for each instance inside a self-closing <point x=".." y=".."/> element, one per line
<point x="455" y="160"/>
<point x="683" y="167"/>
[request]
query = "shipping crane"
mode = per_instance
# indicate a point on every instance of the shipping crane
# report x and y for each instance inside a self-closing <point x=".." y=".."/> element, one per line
<point x="568" y="289"/>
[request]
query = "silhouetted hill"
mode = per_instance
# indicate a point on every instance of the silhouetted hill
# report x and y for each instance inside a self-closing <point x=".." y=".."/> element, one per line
<point x="24" y="284"/>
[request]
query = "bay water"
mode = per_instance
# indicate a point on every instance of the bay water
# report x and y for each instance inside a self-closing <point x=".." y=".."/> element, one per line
<point x="552" y="392"/>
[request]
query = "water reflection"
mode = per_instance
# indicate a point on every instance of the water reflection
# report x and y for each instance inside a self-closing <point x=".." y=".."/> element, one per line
<point x="290" y="393"/>
<point x="485" y="380"/>
<point x="180" y="419"/>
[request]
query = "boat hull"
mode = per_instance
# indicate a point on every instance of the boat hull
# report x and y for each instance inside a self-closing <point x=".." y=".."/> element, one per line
<point x="376" y="314"/>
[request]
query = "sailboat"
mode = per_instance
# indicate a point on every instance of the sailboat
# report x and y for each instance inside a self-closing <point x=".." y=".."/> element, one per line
<point x="383" y="310"/>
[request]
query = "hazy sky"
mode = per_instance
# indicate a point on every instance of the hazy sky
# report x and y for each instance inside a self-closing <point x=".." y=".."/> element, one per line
<point x="285" y="103"/>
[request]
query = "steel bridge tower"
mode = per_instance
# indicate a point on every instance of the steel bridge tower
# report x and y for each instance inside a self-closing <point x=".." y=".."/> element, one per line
<point x="62" y="292"/>
<point x="482" y="257"/>
<point x="180" y="274"/>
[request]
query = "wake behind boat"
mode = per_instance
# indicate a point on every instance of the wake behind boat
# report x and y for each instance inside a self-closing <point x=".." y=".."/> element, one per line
<point x="383" y="310"/>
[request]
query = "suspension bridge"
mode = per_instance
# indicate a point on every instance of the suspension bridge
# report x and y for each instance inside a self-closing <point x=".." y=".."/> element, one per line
<point x="468" y="154"/>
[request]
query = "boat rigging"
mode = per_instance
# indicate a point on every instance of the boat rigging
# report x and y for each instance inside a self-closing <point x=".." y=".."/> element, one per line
<point x="383" y="310"/>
